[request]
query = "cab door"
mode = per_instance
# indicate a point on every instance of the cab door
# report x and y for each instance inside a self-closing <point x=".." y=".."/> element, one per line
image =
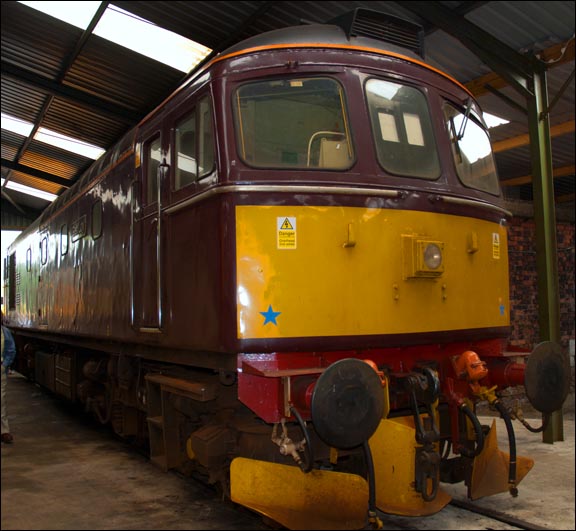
<point x="147" y="246"/>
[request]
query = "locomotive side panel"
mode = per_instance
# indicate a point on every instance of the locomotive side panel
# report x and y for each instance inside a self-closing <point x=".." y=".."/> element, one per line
<point x="133" y="262"/>
<point x="195" y="271"/>
<point x="88" y="262"/>
<point x="196" y="283"/>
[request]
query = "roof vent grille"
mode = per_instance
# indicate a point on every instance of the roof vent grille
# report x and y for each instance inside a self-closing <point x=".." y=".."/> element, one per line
<point x="382" y="26"/>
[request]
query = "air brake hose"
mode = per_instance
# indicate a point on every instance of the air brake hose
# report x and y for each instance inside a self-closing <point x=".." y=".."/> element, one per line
<point x="545" y="421"/>
<point x="374" y="521"/>
<point x="512" y="444"/>
<point x="307" y="467"/>
<point x="477" y="430"/>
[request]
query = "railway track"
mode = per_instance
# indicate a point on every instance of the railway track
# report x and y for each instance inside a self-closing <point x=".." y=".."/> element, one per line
<point x="496" y="515"/>
<point x="460" y="514"/>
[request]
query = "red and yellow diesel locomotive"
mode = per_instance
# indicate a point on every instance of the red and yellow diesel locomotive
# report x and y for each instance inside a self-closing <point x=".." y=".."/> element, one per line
<point x="291" y="278"/>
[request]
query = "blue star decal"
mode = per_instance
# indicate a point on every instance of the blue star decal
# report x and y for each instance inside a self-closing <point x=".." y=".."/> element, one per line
<point x="270" y="315"/>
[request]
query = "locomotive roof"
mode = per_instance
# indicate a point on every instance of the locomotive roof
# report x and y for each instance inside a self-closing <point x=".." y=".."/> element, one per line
<point x="317" y="34"/>
<point x="329" y="36"/>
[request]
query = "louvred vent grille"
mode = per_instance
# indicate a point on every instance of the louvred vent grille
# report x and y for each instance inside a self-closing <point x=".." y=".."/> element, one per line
<point x="384" y="27"/>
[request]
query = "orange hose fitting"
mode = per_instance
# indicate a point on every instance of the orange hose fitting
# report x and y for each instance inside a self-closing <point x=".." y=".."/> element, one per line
<point x="470" y="367"/>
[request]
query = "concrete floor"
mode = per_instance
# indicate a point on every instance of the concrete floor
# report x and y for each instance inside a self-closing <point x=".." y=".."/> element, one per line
<point x="66" y="472"/>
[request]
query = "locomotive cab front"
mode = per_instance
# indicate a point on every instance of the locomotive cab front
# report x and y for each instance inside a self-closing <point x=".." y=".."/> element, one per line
<point x="370" y="232"/>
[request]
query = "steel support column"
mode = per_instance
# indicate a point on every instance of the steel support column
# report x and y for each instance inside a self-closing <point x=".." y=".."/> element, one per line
<point x="545" y="221"/>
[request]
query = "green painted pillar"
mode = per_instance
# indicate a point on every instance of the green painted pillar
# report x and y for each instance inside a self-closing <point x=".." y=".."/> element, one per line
<point x="545" y="220"/>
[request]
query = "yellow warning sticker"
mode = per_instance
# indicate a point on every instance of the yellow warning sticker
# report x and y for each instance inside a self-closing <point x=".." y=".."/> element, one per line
<point x="286" y="232"/>
<point x="496" y="246"/>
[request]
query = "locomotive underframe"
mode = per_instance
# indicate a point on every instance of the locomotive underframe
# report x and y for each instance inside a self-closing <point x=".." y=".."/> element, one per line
<point x="198" y="420"/>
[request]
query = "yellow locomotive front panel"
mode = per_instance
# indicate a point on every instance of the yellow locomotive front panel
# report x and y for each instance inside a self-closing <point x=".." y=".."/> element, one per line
<point x="306" y="271"/>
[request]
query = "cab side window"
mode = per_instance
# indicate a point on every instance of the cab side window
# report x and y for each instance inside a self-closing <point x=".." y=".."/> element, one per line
<point x="194" y="139"/>
<point x="152" y="154"/>
<point x="186" y="159"/>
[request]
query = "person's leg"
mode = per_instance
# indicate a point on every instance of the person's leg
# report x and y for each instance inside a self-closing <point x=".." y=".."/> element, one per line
<point x="6" y="437"/>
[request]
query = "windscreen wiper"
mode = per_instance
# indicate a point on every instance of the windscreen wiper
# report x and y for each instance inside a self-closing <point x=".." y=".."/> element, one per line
<point x="455" y="140"/>
<point x="465" y="120"/>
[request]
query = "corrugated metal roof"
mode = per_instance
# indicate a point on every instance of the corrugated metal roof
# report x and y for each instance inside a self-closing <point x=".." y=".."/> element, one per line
<point x="121" y="76"/>
<point x="79" y="122"/>
<point x="107" y="88"/>
<point x="53" y="160"/>
<point x="515" y="162"/>
<point x="33" y="182"/>
<point x="32" y="38"/>
<point x="209" y="23"/>
<point x="20" y="100"/>
<point x="523" y="26"/>
<point x="526" y="26"/>
<point x="11" y="143"/>
<point x="563" y="110"/>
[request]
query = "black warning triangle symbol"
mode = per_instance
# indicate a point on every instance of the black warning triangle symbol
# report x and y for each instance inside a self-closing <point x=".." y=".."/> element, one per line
<point x="287" y="225"/>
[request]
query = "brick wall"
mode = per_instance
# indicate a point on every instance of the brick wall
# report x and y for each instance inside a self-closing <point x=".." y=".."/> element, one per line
<point x="524" y="287"/>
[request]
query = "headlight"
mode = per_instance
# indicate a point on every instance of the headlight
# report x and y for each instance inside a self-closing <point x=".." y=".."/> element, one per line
<point x="422" y="257"/>
<point x="433" y="256"/>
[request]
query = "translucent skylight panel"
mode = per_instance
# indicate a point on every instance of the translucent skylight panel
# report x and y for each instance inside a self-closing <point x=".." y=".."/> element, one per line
<point x="29" y="191"/>
<point x="78" y="14"/>
<point x="68" y="143"/>
<point x="20" y="127"/>
<point x="130" y="31"/>
<point x="152" y="41"/>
